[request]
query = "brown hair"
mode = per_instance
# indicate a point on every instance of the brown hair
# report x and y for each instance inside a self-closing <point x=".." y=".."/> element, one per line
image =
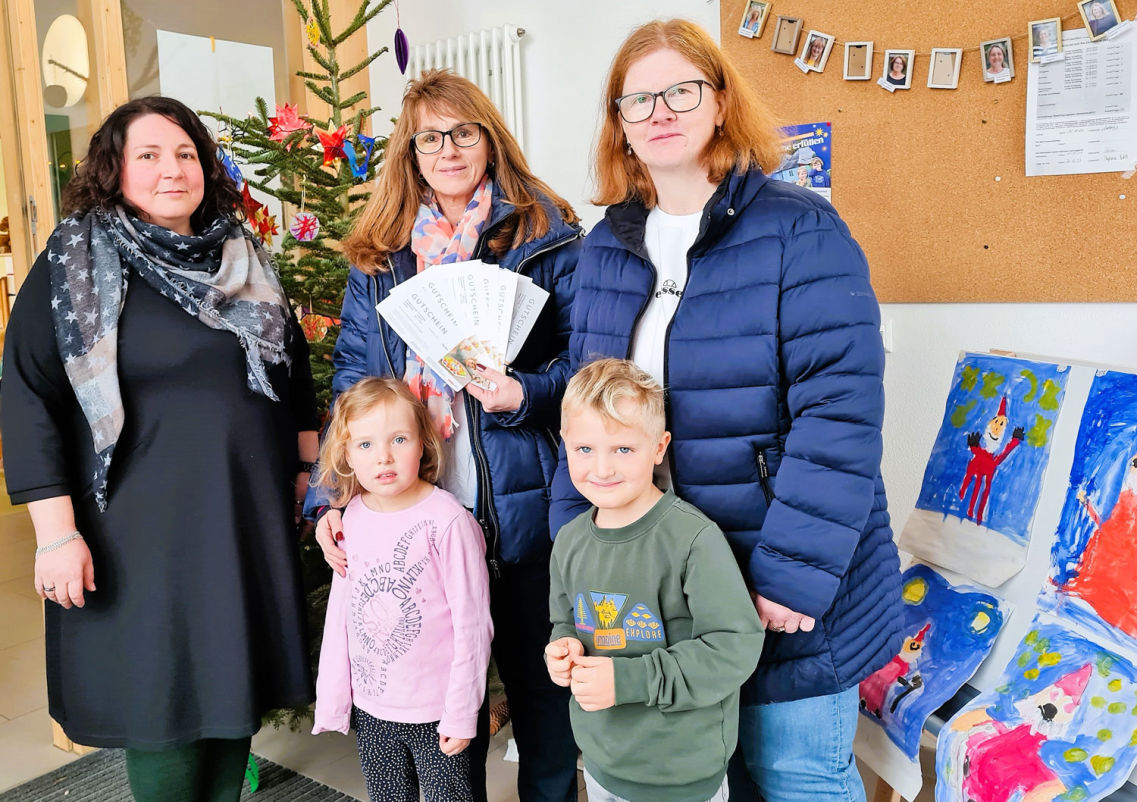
<point x="334" y="473"/>
<point x="601" y="386"/>
<point x="97" y="182"/>
<point x="385" y="224"/>
<point x="748" y="138"/>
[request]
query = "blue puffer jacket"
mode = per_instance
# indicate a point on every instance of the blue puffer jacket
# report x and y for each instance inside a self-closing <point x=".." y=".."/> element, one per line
<point x="515" y="452"/>
<point x="775" y="401"/>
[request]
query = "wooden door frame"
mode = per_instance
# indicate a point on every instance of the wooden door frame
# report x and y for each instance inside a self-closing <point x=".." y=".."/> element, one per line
<point x="23" y="129"/>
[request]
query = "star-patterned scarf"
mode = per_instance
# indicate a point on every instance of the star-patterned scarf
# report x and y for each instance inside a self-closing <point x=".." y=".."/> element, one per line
<point x="436" y="242"/>
<point x="221" y="277"/>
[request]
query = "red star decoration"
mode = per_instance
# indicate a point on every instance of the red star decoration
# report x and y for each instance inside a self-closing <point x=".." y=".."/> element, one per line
<point x="333" y="144"/>
<point x="286" y="121"/>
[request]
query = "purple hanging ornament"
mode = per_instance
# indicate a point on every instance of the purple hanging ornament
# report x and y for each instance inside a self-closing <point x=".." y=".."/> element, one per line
<point x="402" y="49"/>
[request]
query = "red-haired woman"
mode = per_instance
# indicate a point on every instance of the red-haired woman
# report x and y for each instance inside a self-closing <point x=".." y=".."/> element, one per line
<point x="750" y="302"/>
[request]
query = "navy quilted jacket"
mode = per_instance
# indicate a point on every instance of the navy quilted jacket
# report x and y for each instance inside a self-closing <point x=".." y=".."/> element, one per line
<point x="775" y="400"/>
<point x="515" y="452"/>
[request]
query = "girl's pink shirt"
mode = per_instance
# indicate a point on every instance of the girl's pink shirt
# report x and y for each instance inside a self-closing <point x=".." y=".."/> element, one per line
<point x="407" y="634"/>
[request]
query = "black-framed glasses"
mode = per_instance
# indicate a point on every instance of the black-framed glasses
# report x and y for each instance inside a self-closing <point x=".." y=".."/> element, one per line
<point x="685" y="96"/>
<point x="465" y="135"/>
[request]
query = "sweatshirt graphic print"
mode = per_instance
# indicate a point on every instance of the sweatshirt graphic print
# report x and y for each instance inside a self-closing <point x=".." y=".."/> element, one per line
<point x="407" y="632"/>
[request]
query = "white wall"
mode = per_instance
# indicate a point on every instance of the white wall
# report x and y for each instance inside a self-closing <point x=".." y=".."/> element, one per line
<point x="927" y="339"/>
<point x="565" y="57"/>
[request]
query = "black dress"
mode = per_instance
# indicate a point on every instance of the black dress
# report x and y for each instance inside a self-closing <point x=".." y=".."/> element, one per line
<point x="197" y="626"/>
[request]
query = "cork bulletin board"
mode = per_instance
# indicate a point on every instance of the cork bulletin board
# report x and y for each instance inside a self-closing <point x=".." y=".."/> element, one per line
<point x="932" y="182"/>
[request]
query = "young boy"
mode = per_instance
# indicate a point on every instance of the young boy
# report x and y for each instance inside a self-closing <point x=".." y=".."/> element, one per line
<point x="653" y="629"/>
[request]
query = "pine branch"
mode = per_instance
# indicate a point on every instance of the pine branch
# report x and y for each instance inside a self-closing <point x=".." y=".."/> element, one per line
<point x="351" y="101"/>
<point x="363" y="64"/>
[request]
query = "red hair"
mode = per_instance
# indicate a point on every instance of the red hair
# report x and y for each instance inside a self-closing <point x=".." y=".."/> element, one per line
<point x="749" y="136"/>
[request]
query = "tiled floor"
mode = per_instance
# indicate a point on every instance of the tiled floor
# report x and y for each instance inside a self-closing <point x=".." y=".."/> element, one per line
<point x="26" y="750"/>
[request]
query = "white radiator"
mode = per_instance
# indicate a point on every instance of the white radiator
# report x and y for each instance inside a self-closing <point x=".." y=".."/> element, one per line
<point x="491" y="59"/>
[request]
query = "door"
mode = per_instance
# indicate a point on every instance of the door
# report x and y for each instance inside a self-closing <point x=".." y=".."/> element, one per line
<point x="62" y="70"/>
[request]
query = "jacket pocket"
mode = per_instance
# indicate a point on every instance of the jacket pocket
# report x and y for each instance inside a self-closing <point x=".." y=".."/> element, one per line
<point x="764" y="476"/>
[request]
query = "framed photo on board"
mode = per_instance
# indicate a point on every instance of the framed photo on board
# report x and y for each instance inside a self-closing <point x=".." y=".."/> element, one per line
<point x="858" y="61"/>
<point x="998" y="60"/>
<point x="815" y="51"/>
<point x="943" y="67"/>
<point x="898" y="68"/>
<point x="1045" y="38"/>
<point x="1100" y="17"/>
<point x="786" y="33"/>
<point x="753" y="19"/>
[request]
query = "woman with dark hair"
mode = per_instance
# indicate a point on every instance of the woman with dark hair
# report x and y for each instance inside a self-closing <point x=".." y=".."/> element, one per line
<point x="157" y="401"/>
<point x="749" y="301"/>
<point x="455" y="186"/>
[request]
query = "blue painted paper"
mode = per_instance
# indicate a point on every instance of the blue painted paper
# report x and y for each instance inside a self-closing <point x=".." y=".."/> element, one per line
<point x="1061" y="725"/>
<point x="1033" y="392"/>
<point x="950" y="630"/>
<point x="1093" y="563"/>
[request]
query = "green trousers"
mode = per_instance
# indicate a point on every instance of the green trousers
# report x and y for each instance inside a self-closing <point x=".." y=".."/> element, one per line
<point x="210" y="770"/>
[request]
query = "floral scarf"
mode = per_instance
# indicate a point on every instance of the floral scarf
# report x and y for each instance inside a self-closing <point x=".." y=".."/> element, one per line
<point x="436" y="242"/>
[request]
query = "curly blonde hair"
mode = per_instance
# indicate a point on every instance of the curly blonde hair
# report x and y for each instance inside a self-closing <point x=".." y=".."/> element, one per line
<point x="334" y="472"/>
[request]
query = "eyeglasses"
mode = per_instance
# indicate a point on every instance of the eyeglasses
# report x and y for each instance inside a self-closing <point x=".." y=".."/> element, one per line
<point x="685" y="96"/>
<point x="465" y="135"/>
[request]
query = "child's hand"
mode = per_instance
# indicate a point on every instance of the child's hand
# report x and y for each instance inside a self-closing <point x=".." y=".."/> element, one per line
<point x="594" y="683"/>
<point x="329" y="530"/>
<point x="452" y="746"/>
<point x="559" y="657"/>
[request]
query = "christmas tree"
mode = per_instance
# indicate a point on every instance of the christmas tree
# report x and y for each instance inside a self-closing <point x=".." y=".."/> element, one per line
<point x="324" y="169"/>
<point x="324" y="166"/>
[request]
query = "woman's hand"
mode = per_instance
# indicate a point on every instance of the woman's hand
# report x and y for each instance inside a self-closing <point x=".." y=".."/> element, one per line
<point x="329" y="531"/>
<point x="505" y="395"/>
<point x="778" y="618"/>
<point x="62" y="575"/>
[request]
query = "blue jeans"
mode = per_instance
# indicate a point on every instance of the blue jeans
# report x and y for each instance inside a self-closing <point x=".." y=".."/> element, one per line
<point x="803" y="750"/>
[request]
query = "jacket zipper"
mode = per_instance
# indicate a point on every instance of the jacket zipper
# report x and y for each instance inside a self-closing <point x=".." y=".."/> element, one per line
<point x="486" y="512"/>
<point x="667" y="342"/>
<point x="379" y="318"/>
<point x="764" y="478"/>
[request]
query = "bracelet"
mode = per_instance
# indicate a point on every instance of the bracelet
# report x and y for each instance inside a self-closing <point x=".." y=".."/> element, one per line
<point x="305" y="467"/>
<point x="57" y="544"/>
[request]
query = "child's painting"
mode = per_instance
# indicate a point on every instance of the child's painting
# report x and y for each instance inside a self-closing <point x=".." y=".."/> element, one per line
<point x="1093" y="564"/>
<point x="982" y="481"/>
<point x="950" y="631"/>
<point x="1061" y="726"/>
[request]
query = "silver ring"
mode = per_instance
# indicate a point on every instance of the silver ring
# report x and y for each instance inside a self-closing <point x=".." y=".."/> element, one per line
<point x="49" y="590"/>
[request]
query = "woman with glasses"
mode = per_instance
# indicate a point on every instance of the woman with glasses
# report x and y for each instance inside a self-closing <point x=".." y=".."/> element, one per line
<point x="749" y="300"/>
<point x="454" y="187"/>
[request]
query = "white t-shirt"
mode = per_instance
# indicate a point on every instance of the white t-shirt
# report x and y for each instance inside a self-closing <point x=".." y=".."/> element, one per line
<point x="667" y="238"/>
<point x="459" y="474"/>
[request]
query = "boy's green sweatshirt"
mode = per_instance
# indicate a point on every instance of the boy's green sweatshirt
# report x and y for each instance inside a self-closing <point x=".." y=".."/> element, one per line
<point x="663" y="597"/>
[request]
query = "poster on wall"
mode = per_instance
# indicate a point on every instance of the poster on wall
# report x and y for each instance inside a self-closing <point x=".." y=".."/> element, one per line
<point x="1061" y="725"/>
<point x="1080" y="114"/>
<point x="981" y="484"/>
<point x="1093" y="563"/>
<point x="950" y="630"/>
<point x="808" y="158"/>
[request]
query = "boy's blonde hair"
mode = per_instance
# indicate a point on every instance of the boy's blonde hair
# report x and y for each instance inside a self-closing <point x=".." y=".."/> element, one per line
<point x="603" y="384"/>
<point x="335" y="473"/>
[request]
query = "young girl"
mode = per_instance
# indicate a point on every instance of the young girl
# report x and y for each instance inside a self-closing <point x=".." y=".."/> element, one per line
<point x="407" y="634"/>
